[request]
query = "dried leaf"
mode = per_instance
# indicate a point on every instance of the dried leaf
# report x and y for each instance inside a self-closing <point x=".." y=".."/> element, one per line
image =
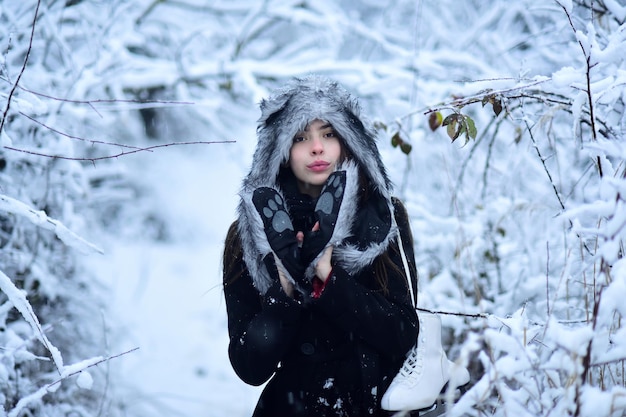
<point x="378" y="125"/>
<point x="396" y="140"/>
<point x="434" y="120"/>
<point x="497" y="106"/>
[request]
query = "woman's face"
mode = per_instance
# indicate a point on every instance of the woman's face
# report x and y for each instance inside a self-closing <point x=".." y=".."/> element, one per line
<point x="314" y="155"/>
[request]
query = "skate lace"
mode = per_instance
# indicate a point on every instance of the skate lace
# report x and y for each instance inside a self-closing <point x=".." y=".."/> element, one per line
<point x="414" y="363"/>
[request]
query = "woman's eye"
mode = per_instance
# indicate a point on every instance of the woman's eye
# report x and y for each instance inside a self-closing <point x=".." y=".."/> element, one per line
<point x="297" y="139"/>
<point x="329" y="135"/>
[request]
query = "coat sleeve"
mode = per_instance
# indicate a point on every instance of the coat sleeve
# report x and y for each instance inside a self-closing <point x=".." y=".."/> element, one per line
<point x="261" y="328"/>
<point x="385" y="320"/>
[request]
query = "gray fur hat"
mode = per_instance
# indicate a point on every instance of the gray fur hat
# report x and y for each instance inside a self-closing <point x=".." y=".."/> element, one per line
<point x="285" y="113"/>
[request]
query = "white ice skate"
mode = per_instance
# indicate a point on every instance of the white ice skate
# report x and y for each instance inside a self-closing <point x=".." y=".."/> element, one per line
<point x="425" y="371"/>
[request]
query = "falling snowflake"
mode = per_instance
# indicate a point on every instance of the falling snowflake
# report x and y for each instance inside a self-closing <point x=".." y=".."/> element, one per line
<point x="338" y="404"/>
<point x="322" y="401"/>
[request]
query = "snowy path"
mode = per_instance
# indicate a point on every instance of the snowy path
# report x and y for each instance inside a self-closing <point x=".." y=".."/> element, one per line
<point x="167" y="298"/>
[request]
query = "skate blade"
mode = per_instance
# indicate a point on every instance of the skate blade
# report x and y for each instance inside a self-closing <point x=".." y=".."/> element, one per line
<point x="424" y="412"/>
<point x="439" y="407"/>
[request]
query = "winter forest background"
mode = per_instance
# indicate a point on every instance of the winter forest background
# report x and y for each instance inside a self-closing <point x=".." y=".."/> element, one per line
<point x="126" y="127"/>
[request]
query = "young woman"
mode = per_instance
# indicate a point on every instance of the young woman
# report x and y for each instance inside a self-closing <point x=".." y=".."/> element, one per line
<point x="317" y="298"/>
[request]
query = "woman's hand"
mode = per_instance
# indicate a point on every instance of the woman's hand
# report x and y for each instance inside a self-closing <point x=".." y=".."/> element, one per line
<point x="323" y="267"/>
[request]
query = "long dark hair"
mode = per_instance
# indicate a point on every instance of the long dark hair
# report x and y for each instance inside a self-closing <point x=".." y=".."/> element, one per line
<point x="232" y="258"/>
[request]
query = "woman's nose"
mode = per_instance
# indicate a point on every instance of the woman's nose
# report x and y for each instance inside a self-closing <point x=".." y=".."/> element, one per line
<point x="317" y="147"/>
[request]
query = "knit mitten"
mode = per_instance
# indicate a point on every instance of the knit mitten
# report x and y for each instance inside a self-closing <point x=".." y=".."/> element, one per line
<point x="279" y="230"/>
<point x="326" y="214"/>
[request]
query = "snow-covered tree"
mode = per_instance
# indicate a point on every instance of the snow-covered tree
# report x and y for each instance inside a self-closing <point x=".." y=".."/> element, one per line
<point x="49" y="306"/>
<point x="526" y="229"/>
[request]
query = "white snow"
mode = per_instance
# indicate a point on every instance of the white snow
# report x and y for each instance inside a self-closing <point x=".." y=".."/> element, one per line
<point x="167" y="298"/>
<point x="84" y="380"/>
<point x="18" y="298"/>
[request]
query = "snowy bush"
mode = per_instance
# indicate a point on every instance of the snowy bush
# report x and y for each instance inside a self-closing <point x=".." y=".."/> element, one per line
<point x="535" y="208"/>
<point x="50" y="319"/>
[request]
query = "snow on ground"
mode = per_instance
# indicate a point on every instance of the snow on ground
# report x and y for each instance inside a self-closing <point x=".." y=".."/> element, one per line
<point x="167" y="298"/>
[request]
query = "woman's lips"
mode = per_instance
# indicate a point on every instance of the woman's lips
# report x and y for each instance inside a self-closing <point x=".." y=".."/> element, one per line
<point x="318" y="166"/>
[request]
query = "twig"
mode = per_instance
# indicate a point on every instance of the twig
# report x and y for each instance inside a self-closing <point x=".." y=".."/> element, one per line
<point x="589" y="65"/>
<point x="41" y="392"/>
<point x="123" y="153"/>
<point x="108" y="358"/>
<point x="67" y="135"/>
<point x="145" y="14"/>
<point x="477" y="98"/>
<point x="547" y="171"/>
<point x="451" y="313"/>
<point x="586" y="362"/>
<point x="543" y="162"/>
<point x="105" y="101"/>
<point x="19" y="76"/>
<point x="587" y="55"/>
<point x="473" y="149"/>
<point x="547" y="279"/>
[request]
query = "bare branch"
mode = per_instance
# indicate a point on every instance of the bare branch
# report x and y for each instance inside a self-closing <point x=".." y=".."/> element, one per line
<point x="108" y="358"/>
<point x="123" y="153"/>
<point x="41" y="392"/>
<point x="589" y="65"/>
<point x="17" y="81"/>
<point x="543" y="163"/>
<point x="450" y="313"/>
<point x="105" y="101"/>
<point x="477" y="98"/>
<point x="67" y="135"/>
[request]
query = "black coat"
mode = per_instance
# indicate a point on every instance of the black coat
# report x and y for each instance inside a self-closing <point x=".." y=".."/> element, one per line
<point x="331" y="356"/>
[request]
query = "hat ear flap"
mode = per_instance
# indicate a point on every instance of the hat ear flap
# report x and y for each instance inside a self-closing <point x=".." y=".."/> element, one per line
<point x="272" y="110"/>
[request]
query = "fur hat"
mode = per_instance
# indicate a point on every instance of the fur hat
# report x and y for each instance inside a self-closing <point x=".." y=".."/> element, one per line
<point x="287" y="112"/>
